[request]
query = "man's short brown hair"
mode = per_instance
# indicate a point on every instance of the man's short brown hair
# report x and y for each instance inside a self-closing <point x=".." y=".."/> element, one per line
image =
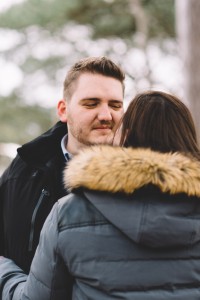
<point x="95" y="65"/>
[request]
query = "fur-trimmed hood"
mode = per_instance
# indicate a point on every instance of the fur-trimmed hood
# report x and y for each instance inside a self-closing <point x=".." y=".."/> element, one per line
<point x="115" y="169"/>
<point x="151" y="197"/>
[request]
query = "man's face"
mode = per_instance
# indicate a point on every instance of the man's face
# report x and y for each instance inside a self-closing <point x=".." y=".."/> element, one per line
<point x="93" y="111"/>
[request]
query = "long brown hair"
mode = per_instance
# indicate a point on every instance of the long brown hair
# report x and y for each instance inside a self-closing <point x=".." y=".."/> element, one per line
<point x="159" y="121"/>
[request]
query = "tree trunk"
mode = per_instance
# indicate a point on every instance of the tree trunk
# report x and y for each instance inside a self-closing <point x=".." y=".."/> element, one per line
<point x="188" y="32"/>
<point x="142" y="31"/>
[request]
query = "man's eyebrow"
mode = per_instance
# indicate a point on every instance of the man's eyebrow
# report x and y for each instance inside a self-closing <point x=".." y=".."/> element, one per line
<point x="90" y="99"/>
<point x="99" y="100"/>
<point x="118" y="101"/>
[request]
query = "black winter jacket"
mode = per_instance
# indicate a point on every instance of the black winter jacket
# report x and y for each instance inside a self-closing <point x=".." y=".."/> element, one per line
<point x="130" y="230"/>
<point x="28" y="190"/>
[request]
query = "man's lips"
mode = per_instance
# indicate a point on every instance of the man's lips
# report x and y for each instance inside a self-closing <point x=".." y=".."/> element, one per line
<point x="102" y="128"/>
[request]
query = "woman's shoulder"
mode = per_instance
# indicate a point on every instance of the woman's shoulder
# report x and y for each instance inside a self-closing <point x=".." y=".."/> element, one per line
<point x="76" y="210"/>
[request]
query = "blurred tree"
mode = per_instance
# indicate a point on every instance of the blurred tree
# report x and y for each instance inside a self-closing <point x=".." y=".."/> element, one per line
<point x="106" y="17"/>
<point x="48" y="36"/>
<point x="188" y="28"/>
<point x="25" y="120"/>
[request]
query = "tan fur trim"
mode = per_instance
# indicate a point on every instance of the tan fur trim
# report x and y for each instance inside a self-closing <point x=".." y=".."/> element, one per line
<point x="116" y="169"/>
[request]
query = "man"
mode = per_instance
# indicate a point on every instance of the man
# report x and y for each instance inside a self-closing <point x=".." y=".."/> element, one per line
<point x="90" y="111"/>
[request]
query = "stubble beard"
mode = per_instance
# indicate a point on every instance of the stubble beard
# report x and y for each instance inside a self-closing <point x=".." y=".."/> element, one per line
<point x="78" y="134"/>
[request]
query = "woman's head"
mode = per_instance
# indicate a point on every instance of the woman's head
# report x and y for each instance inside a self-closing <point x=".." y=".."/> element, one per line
<point x="159" y="121"/>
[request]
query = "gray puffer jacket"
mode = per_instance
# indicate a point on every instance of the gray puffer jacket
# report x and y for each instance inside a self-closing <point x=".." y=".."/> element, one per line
<point x="130" y="229"/>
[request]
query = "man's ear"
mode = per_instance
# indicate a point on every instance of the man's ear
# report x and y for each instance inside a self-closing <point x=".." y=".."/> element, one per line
<point x="62" y="110"/>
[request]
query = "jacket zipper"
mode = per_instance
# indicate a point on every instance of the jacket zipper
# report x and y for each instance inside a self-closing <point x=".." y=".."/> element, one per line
<point x="44" y="194"/>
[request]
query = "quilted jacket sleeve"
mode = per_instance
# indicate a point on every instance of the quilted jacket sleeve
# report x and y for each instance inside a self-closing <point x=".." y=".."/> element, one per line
<point x="48" y="278"/>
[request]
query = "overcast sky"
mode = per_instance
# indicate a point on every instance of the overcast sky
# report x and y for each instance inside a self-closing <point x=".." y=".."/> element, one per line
<point x="5" y="4"/>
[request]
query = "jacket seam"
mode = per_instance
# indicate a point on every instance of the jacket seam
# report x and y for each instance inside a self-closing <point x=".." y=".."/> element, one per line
<point x="142" y="221"/>
<point x="84" y="224"/>
<point x="38" y="280"/>
<point x="56" y="251"/>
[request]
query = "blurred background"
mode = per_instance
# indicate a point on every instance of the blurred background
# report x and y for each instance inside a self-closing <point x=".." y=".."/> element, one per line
<point x="156" y="42"/>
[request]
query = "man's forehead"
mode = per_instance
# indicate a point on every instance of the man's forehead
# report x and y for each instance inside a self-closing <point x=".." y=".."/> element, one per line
<point x="95" y="77"/>
<point x="90" y="86"/>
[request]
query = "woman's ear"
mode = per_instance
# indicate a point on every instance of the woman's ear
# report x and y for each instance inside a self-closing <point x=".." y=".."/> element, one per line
<point x="62" y="110"/>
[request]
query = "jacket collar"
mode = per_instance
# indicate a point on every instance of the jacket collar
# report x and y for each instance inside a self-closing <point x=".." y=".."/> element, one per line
<point x="41" y="149"/>
<point x="115" y="169"/>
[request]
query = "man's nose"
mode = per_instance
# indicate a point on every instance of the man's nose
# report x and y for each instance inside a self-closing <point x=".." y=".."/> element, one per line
<point x="104" y="113"/>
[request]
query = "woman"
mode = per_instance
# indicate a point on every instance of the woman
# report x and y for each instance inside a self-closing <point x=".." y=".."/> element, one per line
<point x="130" y="229"/>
